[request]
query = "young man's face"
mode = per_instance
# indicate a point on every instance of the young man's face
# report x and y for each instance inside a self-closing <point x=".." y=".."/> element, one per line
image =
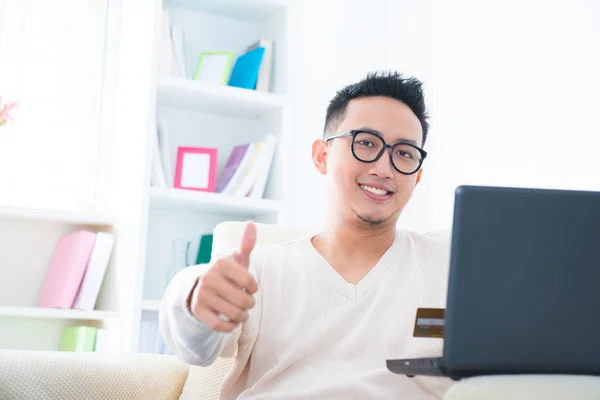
<point x="351" y="181"/>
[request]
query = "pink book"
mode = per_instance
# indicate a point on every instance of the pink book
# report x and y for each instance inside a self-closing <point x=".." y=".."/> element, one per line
<point x="67" y="269"/>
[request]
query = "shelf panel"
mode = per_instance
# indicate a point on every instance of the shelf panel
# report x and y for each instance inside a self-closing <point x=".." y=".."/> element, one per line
<point x="245" y="10"/>
<point x="212" y="202"/>
<point x="54" y="313"/>
<point x="67" y="217"/>
<point x="220" y="99"/>
<point x="150" y="305"/>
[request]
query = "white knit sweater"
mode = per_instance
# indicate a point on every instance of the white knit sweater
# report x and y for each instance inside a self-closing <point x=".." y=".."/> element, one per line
<point x="313" y="335"/>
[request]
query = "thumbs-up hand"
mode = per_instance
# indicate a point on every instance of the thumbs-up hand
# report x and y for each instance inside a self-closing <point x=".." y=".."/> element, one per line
<point x="227" y="288"/>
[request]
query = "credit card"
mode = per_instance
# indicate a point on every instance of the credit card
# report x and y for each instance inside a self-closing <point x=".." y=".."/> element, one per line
<point x="429" y="323"/>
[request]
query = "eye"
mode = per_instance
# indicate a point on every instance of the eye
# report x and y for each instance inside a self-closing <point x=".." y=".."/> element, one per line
<point x="404" y="154"/>
<point x="364" y="142"/>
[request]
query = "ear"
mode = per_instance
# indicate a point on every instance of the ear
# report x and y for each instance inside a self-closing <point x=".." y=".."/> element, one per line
<point x="418" y="177"/>
<point x="319" y="156"/>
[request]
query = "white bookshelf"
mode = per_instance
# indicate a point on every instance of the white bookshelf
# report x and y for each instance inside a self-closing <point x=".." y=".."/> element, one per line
<point x="212" y="115"/>
<point x="146" y="219"/>
<point x="57" y="314"/>
<point x="30" y="236"/>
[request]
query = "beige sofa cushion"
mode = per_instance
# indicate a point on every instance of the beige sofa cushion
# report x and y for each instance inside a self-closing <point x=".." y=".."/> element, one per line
<point x="204" y="383"/>
<point x="526" y="387"/>
<point x="51" y="375"/>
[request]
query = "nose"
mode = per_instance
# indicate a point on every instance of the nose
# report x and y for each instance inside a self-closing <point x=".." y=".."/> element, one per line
<point x="383" y="167"/>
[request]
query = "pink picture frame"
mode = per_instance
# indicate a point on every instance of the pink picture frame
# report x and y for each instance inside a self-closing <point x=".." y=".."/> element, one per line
<point x="196" y="169"/>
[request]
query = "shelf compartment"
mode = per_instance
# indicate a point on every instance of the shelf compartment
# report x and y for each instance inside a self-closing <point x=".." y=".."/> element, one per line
<point x="220" y="99"/>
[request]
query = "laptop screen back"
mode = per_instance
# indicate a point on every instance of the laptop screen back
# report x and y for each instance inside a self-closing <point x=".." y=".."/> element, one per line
<point x="524" y="287"/>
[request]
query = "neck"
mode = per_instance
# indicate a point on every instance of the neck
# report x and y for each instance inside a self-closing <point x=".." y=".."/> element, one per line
<point x="354" y="245"/>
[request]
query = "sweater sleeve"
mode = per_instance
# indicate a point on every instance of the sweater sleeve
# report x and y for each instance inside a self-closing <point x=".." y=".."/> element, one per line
<point x="187" y="337"/>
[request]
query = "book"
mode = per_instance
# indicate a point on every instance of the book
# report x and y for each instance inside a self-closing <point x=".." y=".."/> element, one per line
<point x="143" y="338"/>
<point x="165" y="66"/>
<point x="255" y="178"/>
<point x="102" y="344"/>
<point x="179" y="52"/>
<point x="157" y="177"/>
<point x="204" y="249"/>
<point x="151" y="340"/>
<point x="246" y="68"/>
<point x="95" y="272"/>
<point x="164" y="149"/>
<point x="247" y="169"/>
<point x="66" y="270"/>
<point x="172" y="60"/>
<point x="264" y="167"/>
<point x="248" y="172"/>
<point x="235" y="159"/>
<point x="242" y="170"/>
<point x="263" y="82"/>
<point x="158" y="340"/>
<point x="78" y="338"/>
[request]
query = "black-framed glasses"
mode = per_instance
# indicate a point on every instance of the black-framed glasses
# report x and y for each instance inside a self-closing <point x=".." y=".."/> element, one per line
<point x="369" y="146"/>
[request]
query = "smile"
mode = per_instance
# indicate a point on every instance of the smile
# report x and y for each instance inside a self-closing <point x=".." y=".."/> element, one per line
<point x="375" y="191"/>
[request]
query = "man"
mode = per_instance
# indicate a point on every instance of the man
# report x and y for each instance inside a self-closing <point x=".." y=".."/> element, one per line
<point x="318" y="317"/>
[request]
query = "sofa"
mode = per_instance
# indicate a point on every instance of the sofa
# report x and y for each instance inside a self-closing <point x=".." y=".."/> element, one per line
<point x="49" y="375"/>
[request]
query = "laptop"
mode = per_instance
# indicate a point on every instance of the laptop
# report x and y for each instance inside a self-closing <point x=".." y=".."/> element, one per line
<point x="523" y="287"/>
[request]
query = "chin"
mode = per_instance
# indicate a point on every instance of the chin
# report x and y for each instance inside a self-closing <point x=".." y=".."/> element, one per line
<point x="372" y="219"/>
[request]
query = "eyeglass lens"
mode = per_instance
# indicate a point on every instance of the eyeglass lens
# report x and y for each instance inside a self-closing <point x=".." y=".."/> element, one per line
<point x="367" y="147"/>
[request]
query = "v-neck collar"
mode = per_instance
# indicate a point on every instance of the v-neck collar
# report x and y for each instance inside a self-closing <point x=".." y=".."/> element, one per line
<point x="352" y="291"/>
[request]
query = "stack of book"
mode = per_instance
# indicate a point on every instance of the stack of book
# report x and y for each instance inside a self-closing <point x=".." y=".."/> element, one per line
<point x="150" y="339"/>
<point x="246" y="172"/>
<point x="77" y="270"/>
<point x="172" y="60"/>
<point x="83" y="338"/>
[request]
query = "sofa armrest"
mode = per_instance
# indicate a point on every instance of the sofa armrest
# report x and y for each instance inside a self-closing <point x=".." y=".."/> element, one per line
<point x="49" y="375"/>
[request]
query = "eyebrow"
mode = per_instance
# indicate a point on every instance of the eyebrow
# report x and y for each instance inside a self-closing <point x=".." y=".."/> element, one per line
<point x="401" y="140"/>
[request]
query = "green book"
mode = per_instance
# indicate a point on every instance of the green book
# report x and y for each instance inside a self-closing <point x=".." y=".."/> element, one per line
<point x="205" y="249"/>
<point x="78" y="338"/>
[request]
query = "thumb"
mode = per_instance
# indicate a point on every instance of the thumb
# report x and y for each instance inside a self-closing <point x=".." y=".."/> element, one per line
<point x="248" y="242"/>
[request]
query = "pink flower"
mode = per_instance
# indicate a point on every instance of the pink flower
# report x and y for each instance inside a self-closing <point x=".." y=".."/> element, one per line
<point x="6" y="106"/>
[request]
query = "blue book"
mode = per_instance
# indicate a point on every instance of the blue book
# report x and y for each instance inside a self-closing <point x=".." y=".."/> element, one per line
<point x="245" y="71"/>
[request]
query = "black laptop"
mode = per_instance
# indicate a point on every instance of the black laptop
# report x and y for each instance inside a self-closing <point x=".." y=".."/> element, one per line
<point x="523" y="288"/>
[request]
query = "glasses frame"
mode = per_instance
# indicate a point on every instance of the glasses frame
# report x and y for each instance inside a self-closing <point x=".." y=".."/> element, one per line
<point x="386" y="146"/>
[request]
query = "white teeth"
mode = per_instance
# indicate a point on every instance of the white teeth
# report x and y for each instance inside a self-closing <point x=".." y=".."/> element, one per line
<point x="375" y="191"/>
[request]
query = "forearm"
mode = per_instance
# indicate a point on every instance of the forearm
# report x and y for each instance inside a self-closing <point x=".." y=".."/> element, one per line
<point x="187" y="337"/>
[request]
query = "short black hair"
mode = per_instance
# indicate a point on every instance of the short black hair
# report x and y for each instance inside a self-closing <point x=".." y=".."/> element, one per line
<point x="389" y="84"/>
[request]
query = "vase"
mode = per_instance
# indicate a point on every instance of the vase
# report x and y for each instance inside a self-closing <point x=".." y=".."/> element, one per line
<point x="179" y="258"/>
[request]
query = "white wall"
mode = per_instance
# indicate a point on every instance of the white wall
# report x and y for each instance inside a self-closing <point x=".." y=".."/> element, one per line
<point x="51" y="63"/>
<point x="331" y="45"/>
<point x="517" y="96"/>
<point x="512" y="86"/>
